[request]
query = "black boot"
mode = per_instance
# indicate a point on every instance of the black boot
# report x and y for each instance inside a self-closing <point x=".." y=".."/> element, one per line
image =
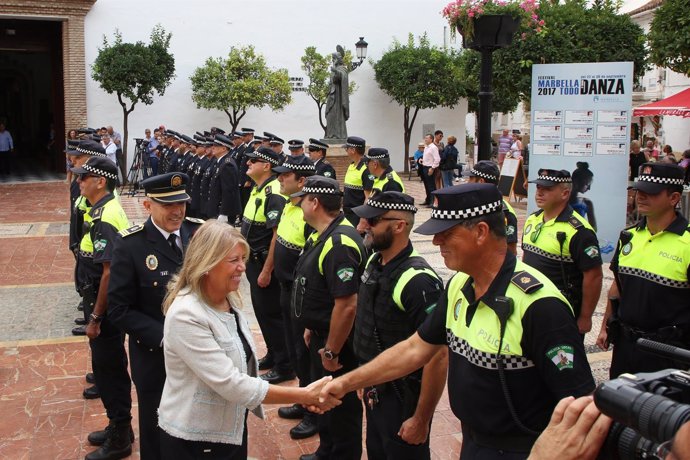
<point x="117" y="444"/>
<point x="91" y="392"/>
<point x="97" y="438"/>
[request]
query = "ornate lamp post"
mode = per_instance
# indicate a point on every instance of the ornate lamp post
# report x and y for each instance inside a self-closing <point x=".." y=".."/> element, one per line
<point x="491" y="32"/>
<point x="361" y="47"/>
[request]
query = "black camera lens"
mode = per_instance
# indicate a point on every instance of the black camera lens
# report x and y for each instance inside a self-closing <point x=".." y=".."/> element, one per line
<point x="625" y="443"/>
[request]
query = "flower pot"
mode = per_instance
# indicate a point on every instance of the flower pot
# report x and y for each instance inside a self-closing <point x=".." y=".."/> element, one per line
<point x="491" y="31"/>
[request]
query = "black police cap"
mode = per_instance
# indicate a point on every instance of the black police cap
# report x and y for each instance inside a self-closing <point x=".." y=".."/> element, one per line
<point x="167" y="188"/>
<point x="266" y="154"/>
<point x="487" y="170"/>
<point x="383" y="202"/>
<point x="298" y="163"/>
<point x="356" y="142"/>
<point x="551" y="177"/>
<point x="377" y="153"/>
<point x="319" y="185"/>
<point x="295" y="144"/>
<point x="654" y="178"/>
<point x="98" y="166"/>
<point x="315" y="144"/>
<point x="92" y="148"/>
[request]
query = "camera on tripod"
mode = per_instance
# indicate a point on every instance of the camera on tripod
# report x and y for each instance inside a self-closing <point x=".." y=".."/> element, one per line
<point x="647" y="408"/>
<point x="141" y="141"/>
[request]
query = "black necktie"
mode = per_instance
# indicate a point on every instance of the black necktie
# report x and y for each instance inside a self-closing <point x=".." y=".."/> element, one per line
<point x="172" y="241"/>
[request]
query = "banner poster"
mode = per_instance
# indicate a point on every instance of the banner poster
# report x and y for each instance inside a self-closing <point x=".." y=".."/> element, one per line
<point x="581" y="122"/>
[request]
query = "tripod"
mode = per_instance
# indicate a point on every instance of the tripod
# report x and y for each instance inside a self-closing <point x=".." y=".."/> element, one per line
<point x="140" y="163"/>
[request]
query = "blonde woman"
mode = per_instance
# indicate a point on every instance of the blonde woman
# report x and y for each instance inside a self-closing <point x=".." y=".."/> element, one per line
<point x="210" y="357"/>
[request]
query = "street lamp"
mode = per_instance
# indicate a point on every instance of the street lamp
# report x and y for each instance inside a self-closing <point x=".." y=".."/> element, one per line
<point x="361" y="47"/>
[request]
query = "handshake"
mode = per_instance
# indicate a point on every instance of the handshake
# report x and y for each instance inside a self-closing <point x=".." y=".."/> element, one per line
<point x="323" y="395"/>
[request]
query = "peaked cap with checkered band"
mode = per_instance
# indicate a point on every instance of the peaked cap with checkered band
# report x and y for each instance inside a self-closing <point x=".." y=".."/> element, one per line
<point x="657" y="177"/>
<point x="383" y="202"/>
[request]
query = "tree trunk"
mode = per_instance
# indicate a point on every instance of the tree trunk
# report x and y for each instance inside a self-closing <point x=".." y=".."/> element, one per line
<point x="125" y="133"/>
<point x="235" y="118"/>
<point x="320" y="106"/>
<point x="408" y="124"/>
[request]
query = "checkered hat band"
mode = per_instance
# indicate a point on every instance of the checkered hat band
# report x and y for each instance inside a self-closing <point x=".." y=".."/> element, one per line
<point x="354" y="145"/>
<point x="653" y="277"/>
<point x="375" y="157"/>
<point x="391" y="206"/>
<point x="451" y="214"/>
<point x="297" y="167"/>
<point x="555" y="179"/>
<point x="317" y="146"/>
<point x="223" y="144"/>
<point x="484" y="175"/>
<point x="660" y="180"/>
<point x="483" y="359"/>
<point x="100" y="172"/>
<point x="91" y="152"/>
<point x="320" y="191"/>
<point x="266" y="158"/>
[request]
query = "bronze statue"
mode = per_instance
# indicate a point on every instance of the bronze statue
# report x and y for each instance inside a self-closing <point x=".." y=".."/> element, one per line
<point x="338" y="102"/>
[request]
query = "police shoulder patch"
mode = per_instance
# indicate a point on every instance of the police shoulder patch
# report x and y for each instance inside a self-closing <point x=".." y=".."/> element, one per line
<point x="346" y="274"/>
<point x="97" y="213"/>
<point x="195" y="220"/>
<point x="574" y="222"/>
<point x="526" y="282"/>
<point x="131" y="230"/>
<point x="327" y="174"/>
<point x="562" y="356"/>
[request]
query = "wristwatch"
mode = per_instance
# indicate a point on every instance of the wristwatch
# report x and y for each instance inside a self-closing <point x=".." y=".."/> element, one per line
<point x="329" y="354"/>
<point x="95" y="318"/>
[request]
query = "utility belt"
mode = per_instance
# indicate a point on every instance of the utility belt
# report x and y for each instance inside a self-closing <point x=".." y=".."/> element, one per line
<point x="405" y="390"/>
<point x="617" y="330"/>
<point x="259" y="256"/>
<point x="514" y="443"/>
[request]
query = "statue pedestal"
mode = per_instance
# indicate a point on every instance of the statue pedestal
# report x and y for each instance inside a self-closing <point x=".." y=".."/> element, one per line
<point x="337" y="156"/>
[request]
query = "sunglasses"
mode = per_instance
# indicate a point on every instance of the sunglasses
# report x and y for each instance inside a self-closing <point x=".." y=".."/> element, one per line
<point x="256" y="160"/>
<point x="85" y="176"/>
<point x="535" y="234"/>
<point x="373" y="221"/>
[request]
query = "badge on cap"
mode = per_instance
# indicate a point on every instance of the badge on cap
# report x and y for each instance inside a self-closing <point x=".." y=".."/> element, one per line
<point x="151" y="262"/>
<point x="647" y="170"/>
<point x="176" y="181"/>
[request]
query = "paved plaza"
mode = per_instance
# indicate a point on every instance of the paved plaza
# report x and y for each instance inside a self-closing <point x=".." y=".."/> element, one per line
<point x="42" y="366"/>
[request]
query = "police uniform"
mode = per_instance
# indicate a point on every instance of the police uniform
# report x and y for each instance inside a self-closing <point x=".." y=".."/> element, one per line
<point x="195" y="186"/>
<point x="394" y="300"/>
<point x="323" y="167"/>
<point x="260" y="217"/>
<point x="330" y="267"/>
<point x="204" y="188"/>
<point x="292" y="235"/>
<point x="389" y="181"/>
<point x="142" y="265"/>
<point x="562" y="248"/>
<point x="542" y="357"/>
<point x="108" y="357"/>
<point x="224" y="197"/>
<point x="652" y="272"/>
<point x="357" y="180"/>
<point x="488" y="170"/>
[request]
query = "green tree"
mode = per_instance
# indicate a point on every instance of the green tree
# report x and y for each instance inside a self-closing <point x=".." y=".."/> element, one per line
<point x="317" y="68"/>
<point x="575" y="32"/>
<point x="239" y="82"/>
<point x="134" y="72"/>
<point x="669" y="36"/>
<point x="419" y="77"/>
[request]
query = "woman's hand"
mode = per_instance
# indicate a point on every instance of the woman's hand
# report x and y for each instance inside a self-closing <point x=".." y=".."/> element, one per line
<point x="312" y="393"/>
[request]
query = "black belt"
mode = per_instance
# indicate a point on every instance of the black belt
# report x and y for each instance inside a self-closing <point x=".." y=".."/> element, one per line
<point x="662" y="334"/>
<point x="517" y="443"/>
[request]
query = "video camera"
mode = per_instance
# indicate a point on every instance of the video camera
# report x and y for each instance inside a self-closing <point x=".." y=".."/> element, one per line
<point x="647" y="408"/>
<point x="141" y="141"/>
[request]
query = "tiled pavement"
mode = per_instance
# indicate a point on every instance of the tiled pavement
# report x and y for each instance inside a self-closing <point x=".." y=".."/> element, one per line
<point x="42" y="366"/>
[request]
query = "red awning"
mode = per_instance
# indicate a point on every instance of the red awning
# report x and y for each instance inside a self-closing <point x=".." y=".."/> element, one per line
<point x="678" y="105"/>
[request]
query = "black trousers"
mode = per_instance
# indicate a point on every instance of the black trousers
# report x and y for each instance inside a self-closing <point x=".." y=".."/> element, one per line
<point x="6" y="162"/>
<point x="628" y="358"/>
<point x="294" y="338"/>
<point x="340" y="429"/>
<point x="181" y="449"/>
<point x="429" y="183"/>
<point x="244" y="195"/>
<point x="473" y="451"/>
<point x="109" y="363"/>
<point x="266" y="302"/>
<point x="383" y="423"/>
<point x="149" y="436"/>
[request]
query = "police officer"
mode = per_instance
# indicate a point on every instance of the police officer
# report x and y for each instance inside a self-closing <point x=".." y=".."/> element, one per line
<point x="259" y="227"/>
<point x="317" y="153"/>
<point x="398" y="290"/>
<point x="292" y="234"/>
<point x="561" y="244"/>
<point x="206" y="208"/>
<point x="296" y="147"/>
<point x="144" y="259"/>
<point x="486" y="171"/>
<point x="379" y="165"/>
<point x="97" y="179"/>
<point x="325" y="302"/>
<point x="358" y="181"/>
<point x="245" y="183"/>
<point x="224" y="197"/>
<point x="651" y="267"/>
<point x="514" y="349"/>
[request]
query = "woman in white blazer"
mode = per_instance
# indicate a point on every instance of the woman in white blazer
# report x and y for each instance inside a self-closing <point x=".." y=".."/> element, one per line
<point x="210" y="357"/>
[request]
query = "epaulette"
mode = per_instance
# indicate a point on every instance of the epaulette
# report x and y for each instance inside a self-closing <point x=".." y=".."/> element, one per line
<point x="526" y="282"/>
<point x="195" y="220"/>
<point x="572" y="220"/>
<point x="390" y="175"/>
<point x="268" y="190"/>
<point x="131" y="230"/>
<point x="97" y="213"/>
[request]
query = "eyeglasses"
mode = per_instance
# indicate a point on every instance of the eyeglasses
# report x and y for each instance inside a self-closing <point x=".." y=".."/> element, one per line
<point x="535" y="234"/>
<point x="373" y="221"/>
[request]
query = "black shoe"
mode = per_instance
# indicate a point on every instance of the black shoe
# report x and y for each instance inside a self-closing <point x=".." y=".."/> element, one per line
<point x="79" y="321"/>
<point x="79" y="330"/>
<point x="265" y="363"/>
<point x="80" y="307"/>
<point x="273" y="376"/>
<point x="91" y="392"/>
<point x="305" y="429"/>
<point x="294" y="412"/>
<point x="97" y="438"/>
<point x="90" y="378"/>
<point x="117" y="443"/>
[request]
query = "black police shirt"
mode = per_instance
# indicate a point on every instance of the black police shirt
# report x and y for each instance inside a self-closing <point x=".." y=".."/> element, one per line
<point x="341" y="269"/>
<point x="475" y="392"/>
